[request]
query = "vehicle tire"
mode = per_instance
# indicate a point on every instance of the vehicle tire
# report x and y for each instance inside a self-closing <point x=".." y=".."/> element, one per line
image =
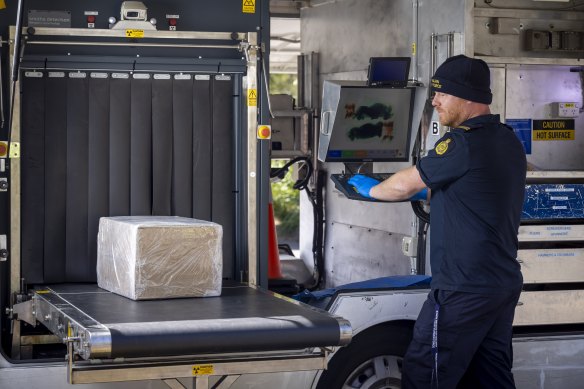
<point x="373" y="360"/>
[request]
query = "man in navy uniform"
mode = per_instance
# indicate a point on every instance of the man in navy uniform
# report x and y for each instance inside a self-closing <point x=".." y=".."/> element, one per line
<point x="476" y="177"/>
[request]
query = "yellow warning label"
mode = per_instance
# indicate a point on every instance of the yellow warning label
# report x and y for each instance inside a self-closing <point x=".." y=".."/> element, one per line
<point x="414" y="48"/>
<point x="554" y="135"/>
<point x="569" y="105"/>
<point x="252" y="97"/>
<point x="44" y="291"/>
<point x="2" y="4"/>
<point x="203" y="370"/>
<point x="264" y="131"/>
<point x="134" y="33"/>
<point x="249" y="6"/>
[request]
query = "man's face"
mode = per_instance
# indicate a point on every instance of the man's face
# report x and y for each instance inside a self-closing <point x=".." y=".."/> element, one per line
<point x="451" y="109"/>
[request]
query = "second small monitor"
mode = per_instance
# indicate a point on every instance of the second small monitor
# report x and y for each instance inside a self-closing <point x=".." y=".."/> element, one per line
<point x="388" y="71"/>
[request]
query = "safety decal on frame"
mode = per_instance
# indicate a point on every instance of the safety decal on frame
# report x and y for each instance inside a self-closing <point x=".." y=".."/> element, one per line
<point x="248" y="6"/>
<point x="203" y="369"/>
<point x="252" y="98"/>
<point x="554" y="130"/>
<point x="2" y="4"/>
<point x="134" y="33"/>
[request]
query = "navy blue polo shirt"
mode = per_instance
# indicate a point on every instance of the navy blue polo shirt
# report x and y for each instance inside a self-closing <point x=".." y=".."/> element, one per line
<point x="477" y="176"/>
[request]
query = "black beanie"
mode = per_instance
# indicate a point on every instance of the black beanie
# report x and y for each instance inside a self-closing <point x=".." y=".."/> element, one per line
<point x="464" y="77"/>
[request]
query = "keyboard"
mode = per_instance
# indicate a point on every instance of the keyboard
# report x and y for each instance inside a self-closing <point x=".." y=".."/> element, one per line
<point x="340" y="181"/>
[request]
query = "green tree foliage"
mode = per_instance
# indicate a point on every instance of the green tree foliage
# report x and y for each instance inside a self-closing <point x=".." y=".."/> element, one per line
<point x="286" y="202"/>
<point x="284" y="84"/>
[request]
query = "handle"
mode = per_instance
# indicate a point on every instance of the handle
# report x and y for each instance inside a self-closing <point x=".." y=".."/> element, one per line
<point x="324" y="122"/>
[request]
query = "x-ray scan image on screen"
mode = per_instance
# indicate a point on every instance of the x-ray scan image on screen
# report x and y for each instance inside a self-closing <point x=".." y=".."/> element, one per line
<point x="371" y="124"/>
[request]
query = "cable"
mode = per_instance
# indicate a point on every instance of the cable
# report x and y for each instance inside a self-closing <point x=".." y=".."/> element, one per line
<point x="318" y="235"/>
<point x="302" y="183"/>
<point x="17" y="55"/>
<point x="421" y="251"/>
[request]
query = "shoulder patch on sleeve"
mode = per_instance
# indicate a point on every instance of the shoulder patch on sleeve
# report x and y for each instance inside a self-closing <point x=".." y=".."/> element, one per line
<point x="442" y="147"/>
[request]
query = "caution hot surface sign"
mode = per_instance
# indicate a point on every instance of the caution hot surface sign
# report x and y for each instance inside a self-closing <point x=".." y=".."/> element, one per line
<point x="554" y="130"/>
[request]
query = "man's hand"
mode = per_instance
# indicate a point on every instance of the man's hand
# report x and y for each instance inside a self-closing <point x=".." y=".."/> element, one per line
<point x="363" y="184"/>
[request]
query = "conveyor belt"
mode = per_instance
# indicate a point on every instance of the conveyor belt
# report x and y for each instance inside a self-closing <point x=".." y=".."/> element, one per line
<point x="243" y="319"/>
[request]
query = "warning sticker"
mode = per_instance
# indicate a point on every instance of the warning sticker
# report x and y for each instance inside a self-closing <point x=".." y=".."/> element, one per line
<point x="252" y="97"/>
<point x="249" y="6"/>
<point x="203" y="370"/>
<point x="134" y="33"/>
<point x="551" y="130"/>
<point x="2" y="4"/>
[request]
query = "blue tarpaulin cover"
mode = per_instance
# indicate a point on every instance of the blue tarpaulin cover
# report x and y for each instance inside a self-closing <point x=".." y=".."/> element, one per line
<point x="392" y="282"/>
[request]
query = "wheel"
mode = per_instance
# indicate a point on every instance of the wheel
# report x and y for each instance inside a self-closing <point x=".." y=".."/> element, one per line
<point x="373" y="360"/>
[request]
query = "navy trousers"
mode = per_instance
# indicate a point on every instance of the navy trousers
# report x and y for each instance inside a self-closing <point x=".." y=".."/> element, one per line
<point x="473" y="336"/>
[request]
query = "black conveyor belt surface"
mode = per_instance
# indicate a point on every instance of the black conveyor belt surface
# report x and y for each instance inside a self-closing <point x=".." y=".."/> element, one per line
<point x="242" y="319"/>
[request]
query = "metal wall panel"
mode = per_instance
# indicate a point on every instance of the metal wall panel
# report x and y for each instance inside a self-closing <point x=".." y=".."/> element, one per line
<point x="357" y="252"/>
<point x="529" y="92"/>
<point x="520" y="16"/>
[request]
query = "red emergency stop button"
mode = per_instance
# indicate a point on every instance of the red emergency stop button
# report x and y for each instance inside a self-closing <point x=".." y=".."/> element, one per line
<point x="90" y="18"/>
<point x="264" y="131"/>
<point x="172" y="22"/>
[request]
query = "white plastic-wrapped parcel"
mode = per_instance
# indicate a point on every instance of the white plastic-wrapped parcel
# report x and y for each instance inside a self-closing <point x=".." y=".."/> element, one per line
<point x="156" y="257"/>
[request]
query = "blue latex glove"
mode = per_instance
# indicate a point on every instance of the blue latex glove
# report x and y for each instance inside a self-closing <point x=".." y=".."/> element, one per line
<point x="420" y="196"/>
<point x="363" y="184"/>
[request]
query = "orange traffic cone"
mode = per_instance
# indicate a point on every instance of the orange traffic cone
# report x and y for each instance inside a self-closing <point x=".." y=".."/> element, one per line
<point x="274" y="269"/>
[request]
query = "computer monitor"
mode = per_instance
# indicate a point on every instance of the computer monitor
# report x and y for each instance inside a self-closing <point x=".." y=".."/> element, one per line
<point x="365" y="124"/>
<point x="388" y="71"/>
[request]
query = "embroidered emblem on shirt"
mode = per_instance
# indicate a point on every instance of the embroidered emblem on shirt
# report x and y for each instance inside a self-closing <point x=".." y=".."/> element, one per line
<point x="465" y="128"/>
<point x="442" y="146"/>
